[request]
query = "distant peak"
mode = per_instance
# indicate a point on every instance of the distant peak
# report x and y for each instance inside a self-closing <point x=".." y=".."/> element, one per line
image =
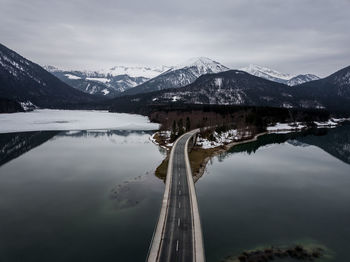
<point x="137" y="71"/>
<point x="50" y="68"/>
<point x="195" y="61"/>
<point x="204" y="64"/>
<point x="258" y="70"/>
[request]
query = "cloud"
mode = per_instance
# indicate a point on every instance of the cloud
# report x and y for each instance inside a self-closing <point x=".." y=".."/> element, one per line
<point x="294" y="36"/>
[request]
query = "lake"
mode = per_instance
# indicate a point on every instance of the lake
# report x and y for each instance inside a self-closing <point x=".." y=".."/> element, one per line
<point x="78" y="196"/>
<point x="92" y="195"/>
<point x="279" y="191"/>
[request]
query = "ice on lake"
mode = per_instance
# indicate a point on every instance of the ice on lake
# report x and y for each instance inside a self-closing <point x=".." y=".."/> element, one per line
<point x="48" y="119"/>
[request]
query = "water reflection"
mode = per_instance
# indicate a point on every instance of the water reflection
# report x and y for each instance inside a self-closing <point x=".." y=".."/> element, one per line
<point x="281" y="190"/>
<point x="13" y="145"/>
<point x="335" y="141"/>
<point x="103" y="133"/>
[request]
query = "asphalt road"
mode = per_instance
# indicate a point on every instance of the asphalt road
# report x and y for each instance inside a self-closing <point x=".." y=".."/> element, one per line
<point x="177" y="244"/>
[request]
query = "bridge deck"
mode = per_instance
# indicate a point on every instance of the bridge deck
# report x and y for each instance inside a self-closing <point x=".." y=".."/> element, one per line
<point x="179" y="223"/>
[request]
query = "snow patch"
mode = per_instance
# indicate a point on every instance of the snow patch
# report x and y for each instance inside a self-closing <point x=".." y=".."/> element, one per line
<point x="218" y="82"/>
<point x="105" y="91"/>
<point x="72" y="77"/>
<point x="285" y="127"/>
<point x="219" y="139"/>
<point x="175" y="98"/>
<point x="28" y="106"/>
<point x="136" y="71"/>
<point x="98" y="79"/>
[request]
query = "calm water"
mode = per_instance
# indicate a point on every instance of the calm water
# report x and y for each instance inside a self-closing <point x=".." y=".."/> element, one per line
<point x="281" y="190"/>
<point x="92" y="196"/>
<point x="78" y="196"/>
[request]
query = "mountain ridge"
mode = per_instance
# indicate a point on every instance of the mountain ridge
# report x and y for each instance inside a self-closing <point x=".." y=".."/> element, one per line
<point x="276" y="76"/>
<point x="235" y="87"/>
<point x="109" y="83"/>
<point x="23" y="80"/>
<point x="179" y="76"/>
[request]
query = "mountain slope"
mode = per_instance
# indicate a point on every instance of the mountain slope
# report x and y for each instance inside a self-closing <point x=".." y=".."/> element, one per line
<point x="22" y="80"/>
<point x="179" y="76"/>
<point x="9" y="106"/>
<point x="233" y="87"/>
<point x="273" y="75"/>
<point x="333" y="91"/>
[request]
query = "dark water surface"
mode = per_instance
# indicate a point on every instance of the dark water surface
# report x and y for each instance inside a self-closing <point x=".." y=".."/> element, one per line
<point x="92" y="196"/>
<point x="78" y="196"/>
<point x="280" y="190"/>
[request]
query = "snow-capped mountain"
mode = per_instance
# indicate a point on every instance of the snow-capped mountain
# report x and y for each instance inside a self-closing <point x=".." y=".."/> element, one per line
<point x="201" y="66"/>
<point x="135" y="71"/>
<point x="236" y="87"/>
<point x="300" y="79"/>
<point x="110" y="82"/>
<point x="232" y="87"/>
<point x="180" y="75"/>
<point x="274" y="75"/>
<point x="23" y="81"/>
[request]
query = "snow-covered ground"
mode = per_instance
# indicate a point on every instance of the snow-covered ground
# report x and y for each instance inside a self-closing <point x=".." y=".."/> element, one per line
<point x="72" y="77"/>
<point x="290" y="127"/>
<point x="279" y="128"/>
<point x="233" y="135"/>
<point x="220" y="139"/>
<point x="47" y="119"/>
<point x="166" y="137"/>
<point x="285" y="127"/>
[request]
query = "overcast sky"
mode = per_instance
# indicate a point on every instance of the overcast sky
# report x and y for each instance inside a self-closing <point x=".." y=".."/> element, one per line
<point x="292" y="36"/>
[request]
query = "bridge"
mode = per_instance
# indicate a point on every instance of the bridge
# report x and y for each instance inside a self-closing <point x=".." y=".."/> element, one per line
<point x="178" y="234"/>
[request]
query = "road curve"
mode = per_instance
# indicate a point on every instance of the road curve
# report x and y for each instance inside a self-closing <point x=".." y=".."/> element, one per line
<point x="178" y="235"/>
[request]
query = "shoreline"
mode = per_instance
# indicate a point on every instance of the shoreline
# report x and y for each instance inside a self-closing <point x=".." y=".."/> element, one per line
<point x="199" y="156"/>
<point x="197" y="174"/>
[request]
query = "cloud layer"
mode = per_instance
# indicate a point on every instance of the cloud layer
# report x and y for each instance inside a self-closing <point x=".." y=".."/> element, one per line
<point x="293" y="36"/>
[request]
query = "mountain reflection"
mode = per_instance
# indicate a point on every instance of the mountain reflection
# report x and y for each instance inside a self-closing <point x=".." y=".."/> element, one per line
<point x="12" y="145"/>
<point x="335" y="142"/>
<point x="103" y="133"/>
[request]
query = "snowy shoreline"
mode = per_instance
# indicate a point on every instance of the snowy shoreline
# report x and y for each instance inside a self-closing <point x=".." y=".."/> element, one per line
<point x="233" y="135"/>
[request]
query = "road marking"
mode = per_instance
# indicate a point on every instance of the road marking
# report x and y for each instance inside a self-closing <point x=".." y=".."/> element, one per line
<point x="178" y="222"/>
<point x="177" y="245"/>
<point x="179" y="204"/>
<point x="179" y="183"/>
<point x="179" y="192"/>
